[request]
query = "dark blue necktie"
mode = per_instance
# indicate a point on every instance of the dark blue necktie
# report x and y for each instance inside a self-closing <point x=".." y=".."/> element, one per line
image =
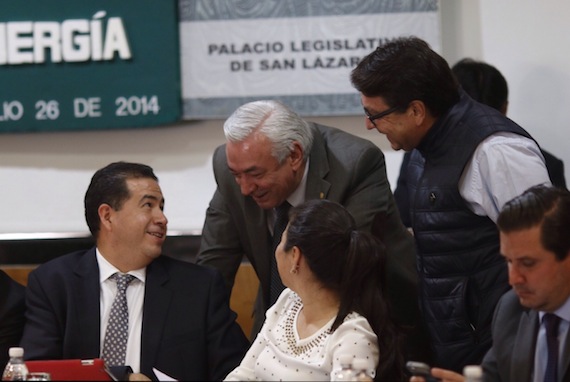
<point x="551" y="323"/>
<point x="281" y="220"/>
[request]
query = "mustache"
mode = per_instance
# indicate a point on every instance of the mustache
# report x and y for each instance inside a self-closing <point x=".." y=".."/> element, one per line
<point x="521" y="289"/>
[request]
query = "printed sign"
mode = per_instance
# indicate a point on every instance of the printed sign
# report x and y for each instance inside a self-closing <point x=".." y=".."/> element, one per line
<point x="300" y="52"/>
<point x="69" y="65"/>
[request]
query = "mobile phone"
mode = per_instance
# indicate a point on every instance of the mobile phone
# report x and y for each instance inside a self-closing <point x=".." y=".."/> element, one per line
<point x="418" y="368"/>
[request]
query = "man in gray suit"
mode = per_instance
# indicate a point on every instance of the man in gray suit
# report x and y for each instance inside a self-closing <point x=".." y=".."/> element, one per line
<point x="535" y="242"/>
<point x="271" y="156"/>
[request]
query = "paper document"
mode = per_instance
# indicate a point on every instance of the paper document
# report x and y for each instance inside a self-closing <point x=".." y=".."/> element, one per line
<point x="161" y="376"/>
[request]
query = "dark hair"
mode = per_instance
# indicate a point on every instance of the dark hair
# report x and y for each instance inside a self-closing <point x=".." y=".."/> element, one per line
<point x="109" y="186"/>
<point x="351" y="263"/>
<point x="547" y="206"/>
<point x="406" y="69"/>
<point x="483" y="82"/>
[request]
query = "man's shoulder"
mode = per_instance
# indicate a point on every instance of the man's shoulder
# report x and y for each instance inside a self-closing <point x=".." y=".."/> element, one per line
<point x="220" y="154"/>
<point x="65" y="261"/>
<point x="59" y="269"/>
<point x="342" y="141"/>
<point x="330" y="132"/>
<point x="9" y="286"/>
<point x="509" y="306"/>
<point x="184" y="277"/>
<point x="184" y="268"/>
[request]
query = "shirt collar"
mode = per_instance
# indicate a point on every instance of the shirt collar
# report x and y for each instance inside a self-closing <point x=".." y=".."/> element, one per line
<point x="562" y="312"/>
<point x="298" y="196"/>
<point x="106" y="269"/>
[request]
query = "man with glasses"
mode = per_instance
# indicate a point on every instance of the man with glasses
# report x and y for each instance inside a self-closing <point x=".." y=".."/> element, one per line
<point x="467" y="161"/>
<point x="373" y="118"/>
<point x="273" y="156"/>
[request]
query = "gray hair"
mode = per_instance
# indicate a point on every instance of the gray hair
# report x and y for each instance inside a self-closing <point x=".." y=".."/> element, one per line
<point x="281" y="125"/>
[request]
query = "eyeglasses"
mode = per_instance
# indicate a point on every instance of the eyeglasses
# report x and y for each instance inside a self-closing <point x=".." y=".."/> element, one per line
<point x="374" y="117"/>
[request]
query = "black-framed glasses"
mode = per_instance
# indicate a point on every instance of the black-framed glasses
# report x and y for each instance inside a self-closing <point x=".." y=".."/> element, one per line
<point x="384" y="113"/>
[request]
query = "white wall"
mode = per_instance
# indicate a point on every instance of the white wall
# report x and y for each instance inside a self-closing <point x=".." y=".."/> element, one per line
<point x="44" y="175"/>
<point x="528" y="42"/>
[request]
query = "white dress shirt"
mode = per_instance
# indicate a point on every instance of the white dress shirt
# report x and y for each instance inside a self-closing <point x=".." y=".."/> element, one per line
<point x="503" y="166"/>
<point x="295" y="199"/>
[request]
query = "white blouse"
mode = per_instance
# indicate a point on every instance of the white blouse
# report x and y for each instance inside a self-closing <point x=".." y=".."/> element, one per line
<point x="278" y="354"/>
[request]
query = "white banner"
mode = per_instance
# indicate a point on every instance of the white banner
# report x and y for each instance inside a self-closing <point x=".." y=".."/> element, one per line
<point x="304" y="60"/>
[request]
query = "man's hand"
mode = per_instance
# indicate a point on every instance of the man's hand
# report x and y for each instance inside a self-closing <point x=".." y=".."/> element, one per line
<point x="447" y="375"/>
<point x="138" y="377"/>
<point x="441" y="374"/>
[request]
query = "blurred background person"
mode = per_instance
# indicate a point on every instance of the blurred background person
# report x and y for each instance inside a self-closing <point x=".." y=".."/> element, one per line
<point x="486" y="84"/>
<point x="334" y="303"/>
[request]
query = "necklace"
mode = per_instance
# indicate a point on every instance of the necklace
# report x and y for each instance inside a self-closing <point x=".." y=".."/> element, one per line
<point x="290" y="333"/>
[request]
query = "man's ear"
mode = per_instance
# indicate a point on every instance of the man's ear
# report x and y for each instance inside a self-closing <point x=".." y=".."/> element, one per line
<point x="296" y="156"/>
<point x="418" y="110"/>
<point x="105" y="215"/>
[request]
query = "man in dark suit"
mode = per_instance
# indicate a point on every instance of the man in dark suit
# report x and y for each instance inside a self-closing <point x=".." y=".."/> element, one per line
<point x="535" y="242"/>
<point x="12" y="309"/>
<point x="179" y="320"/>
<point x="271" y="156"/>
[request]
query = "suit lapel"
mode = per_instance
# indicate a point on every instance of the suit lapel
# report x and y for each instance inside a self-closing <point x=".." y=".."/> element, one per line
<point x="260" y="239"/>
<point x="317" y="186"/>
<point x="522" y="360"/>
<point x="156" y="304"/>
<point x="565" y="371"/>
<point x="87" y="301"/>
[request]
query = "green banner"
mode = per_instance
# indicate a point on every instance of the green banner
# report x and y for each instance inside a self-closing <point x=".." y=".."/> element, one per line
<point x="98" y="64"/>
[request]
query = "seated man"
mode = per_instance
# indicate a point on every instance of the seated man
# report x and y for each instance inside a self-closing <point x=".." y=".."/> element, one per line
<point x="12" y="308"/>
<point x="178" y="318"/>
<point x="536" y="246"/>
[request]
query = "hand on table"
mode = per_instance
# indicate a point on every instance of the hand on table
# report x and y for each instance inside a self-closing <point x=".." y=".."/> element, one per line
<point x="138" y="377"/>
<point x="443" y="375"/>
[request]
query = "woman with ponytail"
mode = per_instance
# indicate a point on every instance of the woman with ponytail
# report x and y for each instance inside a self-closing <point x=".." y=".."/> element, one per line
<point x="333" y="303"/>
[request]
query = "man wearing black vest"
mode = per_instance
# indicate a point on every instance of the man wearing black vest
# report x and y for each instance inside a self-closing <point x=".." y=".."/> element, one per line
<point x="467" y="161"/>
<point x="531" y="323"/>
